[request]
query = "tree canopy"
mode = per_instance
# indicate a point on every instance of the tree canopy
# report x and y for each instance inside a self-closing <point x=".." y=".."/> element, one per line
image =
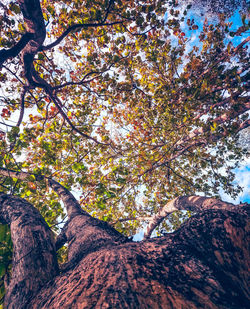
<point x="113" y="100"/>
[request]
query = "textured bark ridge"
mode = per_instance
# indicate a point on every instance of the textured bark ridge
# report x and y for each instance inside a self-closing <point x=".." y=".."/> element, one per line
<point x="205" y="264"/>
<point x="34" y="256"/>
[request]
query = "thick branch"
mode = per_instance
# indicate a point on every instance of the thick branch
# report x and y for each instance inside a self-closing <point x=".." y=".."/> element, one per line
<point x="34" y="20"/>
<point x="6" y="54"/>
<point x="83" y="233"/>
<point x="72" y="206"/>
<point x="34" y="259"/>
<point x="33" y="17"/>
<point x="192" y="203"/>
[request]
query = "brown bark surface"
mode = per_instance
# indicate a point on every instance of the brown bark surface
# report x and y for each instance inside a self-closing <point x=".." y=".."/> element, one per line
<point x="34" y="257"/>
<point x="205" y="264"/>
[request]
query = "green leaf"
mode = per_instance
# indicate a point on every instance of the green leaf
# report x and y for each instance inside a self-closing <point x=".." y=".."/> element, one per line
<point x="40" y="56"/>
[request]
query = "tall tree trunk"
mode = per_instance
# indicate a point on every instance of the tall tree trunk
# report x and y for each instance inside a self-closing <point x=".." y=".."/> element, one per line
<point x="205" y="264"/>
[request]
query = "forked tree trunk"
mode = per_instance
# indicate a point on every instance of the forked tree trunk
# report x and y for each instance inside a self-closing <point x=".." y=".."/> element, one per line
<point x="205" y="264"/>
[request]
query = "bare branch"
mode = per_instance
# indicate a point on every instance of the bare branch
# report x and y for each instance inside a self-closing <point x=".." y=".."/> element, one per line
<point x="84" y="80"/>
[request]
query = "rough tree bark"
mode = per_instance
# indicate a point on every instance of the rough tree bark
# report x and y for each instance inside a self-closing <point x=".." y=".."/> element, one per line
<point x="204" y="264"/>
<point x="34" y="256"/>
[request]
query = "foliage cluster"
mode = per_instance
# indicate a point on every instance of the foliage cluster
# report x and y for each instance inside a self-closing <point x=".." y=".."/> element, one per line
<point x="145" y="115"/>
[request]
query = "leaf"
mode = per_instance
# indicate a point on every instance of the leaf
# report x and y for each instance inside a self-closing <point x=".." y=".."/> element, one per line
<point x="40" y="56"/>
<point x="213" y="126"/>
<point x="15" y="8"/>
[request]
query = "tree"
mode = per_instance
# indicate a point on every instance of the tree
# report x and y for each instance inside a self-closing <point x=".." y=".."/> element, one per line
<point x="123" y="109"/>
<point x="214" y="7"/>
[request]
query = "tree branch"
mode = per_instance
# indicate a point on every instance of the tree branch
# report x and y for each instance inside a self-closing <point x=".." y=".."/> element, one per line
<point x="229" y="115"/>
<point x="130" y="219"/>
<point x="224" y="55"/>
<point x="72" y="206"/>
<point x="20" y="119"/>
<point x="58" y="104"/>
<point x="84" y="80"/>
<point x="34" y="259"/>
<point x="77" y="26"/>
<point x="12" y="52"/>
<point x="192" y="203"/>
<point x="74" y="27"/>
